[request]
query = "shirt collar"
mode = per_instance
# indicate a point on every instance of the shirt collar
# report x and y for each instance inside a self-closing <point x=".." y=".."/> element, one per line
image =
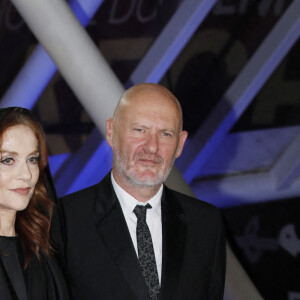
<point x="128" y="203"/>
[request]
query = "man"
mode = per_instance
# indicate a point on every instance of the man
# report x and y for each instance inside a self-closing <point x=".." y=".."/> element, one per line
<point x="106" y="232"/>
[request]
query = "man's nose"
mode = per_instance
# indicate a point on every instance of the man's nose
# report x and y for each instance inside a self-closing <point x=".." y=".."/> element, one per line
<point x="152" y="143"/>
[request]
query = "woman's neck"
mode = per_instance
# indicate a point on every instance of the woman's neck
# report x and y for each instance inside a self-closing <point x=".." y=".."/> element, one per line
<point x="7" y="223"/>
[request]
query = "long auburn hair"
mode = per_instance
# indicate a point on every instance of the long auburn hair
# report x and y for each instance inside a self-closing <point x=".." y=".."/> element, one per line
<point x="33" y="223"/>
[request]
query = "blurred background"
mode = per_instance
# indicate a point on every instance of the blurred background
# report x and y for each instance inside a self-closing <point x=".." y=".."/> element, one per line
<point x="235" y="68"/>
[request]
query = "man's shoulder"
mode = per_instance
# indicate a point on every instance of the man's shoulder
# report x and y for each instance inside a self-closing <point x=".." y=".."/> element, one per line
<point x="191" y="205"/>
<point x="86" y="194"/>
<point x="83" y="194"/>
<point x="81" y="202"/>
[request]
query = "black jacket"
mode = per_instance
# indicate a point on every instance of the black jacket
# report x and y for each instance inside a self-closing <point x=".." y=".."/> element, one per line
<point x="101" y="262"/>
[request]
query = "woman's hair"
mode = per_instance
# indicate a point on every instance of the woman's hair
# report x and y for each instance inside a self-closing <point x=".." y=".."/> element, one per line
<point x="32" y="224"/>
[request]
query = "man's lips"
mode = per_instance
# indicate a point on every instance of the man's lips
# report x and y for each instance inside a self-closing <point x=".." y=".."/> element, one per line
<point x="149" y="161"/>
<point x="22" y="191"/>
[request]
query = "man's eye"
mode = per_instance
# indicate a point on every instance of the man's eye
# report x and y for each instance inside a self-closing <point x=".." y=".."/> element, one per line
<point x="7" y="161"/>
<point x="166" y="134"/>
<point x="34" y="159"/>
<point x="139" y="129"/>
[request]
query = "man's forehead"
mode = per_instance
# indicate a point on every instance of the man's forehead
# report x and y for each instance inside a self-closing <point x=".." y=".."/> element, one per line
<point x="149" y="108"/>
<point x="149" y="99"/>
<point x="150" y="120"/>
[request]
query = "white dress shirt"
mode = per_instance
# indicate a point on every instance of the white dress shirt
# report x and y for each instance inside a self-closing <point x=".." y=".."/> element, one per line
<point x="153" y="219"/>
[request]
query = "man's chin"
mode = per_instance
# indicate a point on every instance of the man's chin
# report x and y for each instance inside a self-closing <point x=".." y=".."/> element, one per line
<point x="146" y="180"/>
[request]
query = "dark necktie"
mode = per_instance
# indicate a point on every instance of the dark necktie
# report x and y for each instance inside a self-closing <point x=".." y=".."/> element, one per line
<point x="146" y="251"/>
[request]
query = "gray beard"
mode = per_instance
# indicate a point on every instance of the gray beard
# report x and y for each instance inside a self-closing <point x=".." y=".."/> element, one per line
<point x="133" y="178"/>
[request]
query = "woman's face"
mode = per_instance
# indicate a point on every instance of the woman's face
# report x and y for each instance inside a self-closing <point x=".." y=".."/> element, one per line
<point x="19" y="169"/>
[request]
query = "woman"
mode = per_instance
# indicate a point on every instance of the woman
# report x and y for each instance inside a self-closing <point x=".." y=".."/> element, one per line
<point x="27" y="269"/>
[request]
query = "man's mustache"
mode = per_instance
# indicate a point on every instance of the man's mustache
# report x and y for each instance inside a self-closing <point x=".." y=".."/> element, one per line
<point x="144" y="156"/>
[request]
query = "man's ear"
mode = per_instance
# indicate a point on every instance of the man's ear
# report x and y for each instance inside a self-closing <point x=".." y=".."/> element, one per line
<point x="109" y="131"/>
<point x="182" y="139"/>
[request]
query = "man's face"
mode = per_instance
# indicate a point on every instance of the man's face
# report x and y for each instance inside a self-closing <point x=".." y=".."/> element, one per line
<point x="146" y="138"/>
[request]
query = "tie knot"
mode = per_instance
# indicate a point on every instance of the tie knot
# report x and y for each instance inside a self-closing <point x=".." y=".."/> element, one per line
<point x="141" y="210"/>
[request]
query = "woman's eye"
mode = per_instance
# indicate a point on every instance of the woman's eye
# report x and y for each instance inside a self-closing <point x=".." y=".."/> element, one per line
<point x="34" y="159"/>
<point x="7" y="161"/>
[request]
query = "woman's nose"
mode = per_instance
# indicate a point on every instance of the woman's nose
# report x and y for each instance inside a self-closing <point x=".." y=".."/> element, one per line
<point x="24" y="172"/>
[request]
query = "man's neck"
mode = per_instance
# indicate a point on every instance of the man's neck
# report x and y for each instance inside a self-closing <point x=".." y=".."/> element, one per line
<point x="140" y="192"/>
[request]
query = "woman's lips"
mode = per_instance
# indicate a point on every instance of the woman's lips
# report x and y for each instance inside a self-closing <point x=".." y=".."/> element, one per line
<point x="22" y="191"/>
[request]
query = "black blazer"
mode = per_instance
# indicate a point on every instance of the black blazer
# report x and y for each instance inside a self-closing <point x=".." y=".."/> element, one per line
<point x="101" y="262"/>
<point x="55" y="281"/>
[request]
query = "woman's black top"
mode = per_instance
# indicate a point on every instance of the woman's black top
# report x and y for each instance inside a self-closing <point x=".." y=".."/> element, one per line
<point x="42" y="279"/>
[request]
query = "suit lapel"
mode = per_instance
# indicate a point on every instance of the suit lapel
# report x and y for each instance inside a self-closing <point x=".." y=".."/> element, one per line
<point x="174" y="232"/>
<point x="113" y="229"/>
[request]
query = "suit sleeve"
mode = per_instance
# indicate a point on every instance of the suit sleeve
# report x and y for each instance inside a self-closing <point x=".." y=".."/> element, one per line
<point x="217" y="282"/>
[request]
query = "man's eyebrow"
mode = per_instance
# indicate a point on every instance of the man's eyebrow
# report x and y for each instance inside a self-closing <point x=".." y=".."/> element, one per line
<point x="138" y="125"/>
<point x="169" y="130"/>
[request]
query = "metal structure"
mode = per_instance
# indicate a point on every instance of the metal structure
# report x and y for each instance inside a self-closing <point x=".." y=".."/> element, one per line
<point x="271" y="174"/>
